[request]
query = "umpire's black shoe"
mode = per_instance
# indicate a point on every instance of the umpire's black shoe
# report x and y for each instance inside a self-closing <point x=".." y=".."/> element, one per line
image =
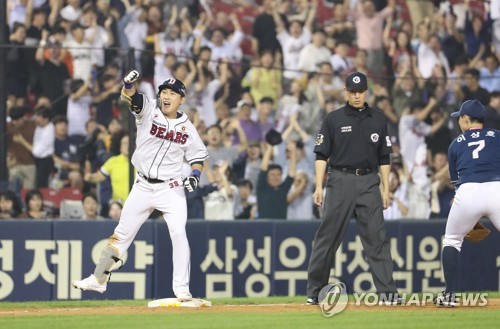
<point x="312" y="301"/>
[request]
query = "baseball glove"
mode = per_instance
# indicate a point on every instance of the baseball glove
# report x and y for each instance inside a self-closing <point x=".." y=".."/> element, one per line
<point x="478" y="233"/>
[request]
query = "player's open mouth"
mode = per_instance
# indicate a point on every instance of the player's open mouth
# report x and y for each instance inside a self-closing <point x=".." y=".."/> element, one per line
<point x="166" y="103"/>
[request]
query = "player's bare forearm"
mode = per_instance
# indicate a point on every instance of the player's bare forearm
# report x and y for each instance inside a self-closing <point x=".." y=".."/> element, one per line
<point x="266" y="158"/>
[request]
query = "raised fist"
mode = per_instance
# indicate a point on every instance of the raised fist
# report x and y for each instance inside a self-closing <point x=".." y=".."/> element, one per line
<point x="191" y="183"/>
<point x="131" y="77"/>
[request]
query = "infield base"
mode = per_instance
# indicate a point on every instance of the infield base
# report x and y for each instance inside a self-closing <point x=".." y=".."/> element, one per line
<point x="173" y="302"/>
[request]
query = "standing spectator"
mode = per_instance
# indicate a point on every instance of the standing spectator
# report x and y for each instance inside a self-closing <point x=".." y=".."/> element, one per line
<point x="172" y="41"/>
<point x="71" y="12"/>
<point x="42" y="146"/>
<point x="246" y="209"/>
<point x="384" y="104"/>
<point x="340" y="60"/>
<point x="206" y="87"/>
<point x="490" y="74"/>
<point x="442" y="190"/>
<point x="477" y="36"/>
<point x="264" y="32"/>
<point x="453" y="40"/>
<point x="330" y="83"/>
<point x="398" y="206"/>
<point x="247" y="166"/>
<point x="341" y="29"/>
<point x="132" y="28"/>
<point x="221" y="204"/>
<point x="52" y="74"/>
<point x="293" y="40"/>
<point x="222" y="48"/>
<point x="406" y="91"/>
<point x="99" y="37"/>
<point x="18" y="65"/>
<point x="117" y="169"/>
<point x="265" y="117"/>
<point x="430" y="55"/>
<point x="67" y="154"/>
<point x="265" y="80"/>
<point x="369" y="29"/>
<point x="250" y="128"/>
<point x="106" y="100"/>
<point x="23" y="164"/>
<point x="80" y="52"/>
<point x="272" y="191"/>
<point x="79" y="102"/>
<point x="299" y="199"/>
<point x="413" y="129"/>
<point x="314" y="53"/>
<point x="492" y="114"/>
<point x="400" y="51"/>
<point x="472" y="89"/>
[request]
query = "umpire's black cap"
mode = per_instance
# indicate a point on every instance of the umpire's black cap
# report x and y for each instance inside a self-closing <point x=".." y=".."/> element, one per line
<point x="175" y="85"/>
<point x="356" y="82"/>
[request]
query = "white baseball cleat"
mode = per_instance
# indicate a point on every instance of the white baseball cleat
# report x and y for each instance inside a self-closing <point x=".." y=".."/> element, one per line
<point x="89" y="283"/>
<point x="444" y="299"/>
<point x="184" y="296"/>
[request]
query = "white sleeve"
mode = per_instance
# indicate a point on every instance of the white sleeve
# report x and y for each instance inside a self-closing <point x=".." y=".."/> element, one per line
<point x="236" y="39"/>
<point x="196" y="149"/>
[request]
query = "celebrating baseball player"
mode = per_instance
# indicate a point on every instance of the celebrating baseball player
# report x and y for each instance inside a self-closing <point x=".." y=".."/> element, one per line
<point x="164" y="138"/>
<point x="474" y="163"/>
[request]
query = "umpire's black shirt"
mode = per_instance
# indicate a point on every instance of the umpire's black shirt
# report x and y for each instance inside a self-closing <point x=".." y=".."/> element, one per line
<point x="354" y="138"/>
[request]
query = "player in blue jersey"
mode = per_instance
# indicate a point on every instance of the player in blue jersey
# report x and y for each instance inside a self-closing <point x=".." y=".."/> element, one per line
<point x="474" y="163"/>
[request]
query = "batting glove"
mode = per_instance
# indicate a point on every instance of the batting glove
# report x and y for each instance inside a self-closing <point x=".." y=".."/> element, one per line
<point x="130" y="78"/>
<point x="191" y="183"/>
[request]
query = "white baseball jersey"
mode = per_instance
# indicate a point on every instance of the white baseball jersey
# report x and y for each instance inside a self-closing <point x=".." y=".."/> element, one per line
<point x="163" y="143"/>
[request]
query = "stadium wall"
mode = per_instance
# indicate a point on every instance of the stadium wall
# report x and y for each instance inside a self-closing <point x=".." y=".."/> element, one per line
<point x="39" y="259"/>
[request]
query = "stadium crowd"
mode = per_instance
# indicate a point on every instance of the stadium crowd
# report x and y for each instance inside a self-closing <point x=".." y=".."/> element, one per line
<point x="249" y="66"/>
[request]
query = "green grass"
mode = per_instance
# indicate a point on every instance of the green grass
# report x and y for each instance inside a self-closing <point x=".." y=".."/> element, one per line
<point x="387" y="319"/>
<point x="383" y="318"/>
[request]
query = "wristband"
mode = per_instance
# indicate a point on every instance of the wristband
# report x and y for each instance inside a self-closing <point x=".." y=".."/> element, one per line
<point x="128" y="85"/>
<point x="196" y="173"/>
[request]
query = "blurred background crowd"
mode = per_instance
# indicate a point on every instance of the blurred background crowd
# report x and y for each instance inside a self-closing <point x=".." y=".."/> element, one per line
<point x="249" y="66"/>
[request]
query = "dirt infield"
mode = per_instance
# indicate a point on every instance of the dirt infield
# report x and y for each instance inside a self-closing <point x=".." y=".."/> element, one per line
<point x="493" y="304"/>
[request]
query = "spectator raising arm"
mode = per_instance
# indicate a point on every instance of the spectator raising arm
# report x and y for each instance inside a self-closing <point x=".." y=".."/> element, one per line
<point x="266" y="158"/>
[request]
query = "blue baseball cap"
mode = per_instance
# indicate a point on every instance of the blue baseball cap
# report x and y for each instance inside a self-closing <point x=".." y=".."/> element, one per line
<point x="472" y="108"/>
<point x="174" y="84"/>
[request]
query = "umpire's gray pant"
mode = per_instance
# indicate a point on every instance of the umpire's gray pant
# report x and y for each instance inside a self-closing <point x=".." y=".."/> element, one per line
<point x="348" y="195"/>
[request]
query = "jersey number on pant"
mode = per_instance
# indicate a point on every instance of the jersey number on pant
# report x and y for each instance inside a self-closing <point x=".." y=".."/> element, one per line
<point x="173" y="184"/>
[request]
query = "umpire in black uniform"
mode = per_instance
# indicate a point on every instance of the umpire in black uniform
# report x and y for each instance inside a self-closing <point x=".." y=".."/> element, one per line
<point x="353" y="140"/>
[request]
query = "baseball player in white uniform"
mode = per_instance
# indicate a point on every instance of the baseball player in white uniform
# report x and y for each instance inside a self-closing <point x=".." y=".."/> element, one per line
<point x="165" y="137"/>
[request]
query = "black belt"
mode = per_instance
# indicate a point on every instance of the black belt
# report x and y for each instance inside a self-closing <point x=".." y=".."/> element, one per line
<point x="355" y="171"/>
<point x="151" y="180"/>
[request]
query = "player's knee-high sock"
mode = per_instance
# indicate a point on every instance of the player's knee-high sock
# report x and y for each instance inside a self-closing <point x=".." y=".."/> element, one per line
<point x="109" y="257"/>
<point x="449" y="257"/>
